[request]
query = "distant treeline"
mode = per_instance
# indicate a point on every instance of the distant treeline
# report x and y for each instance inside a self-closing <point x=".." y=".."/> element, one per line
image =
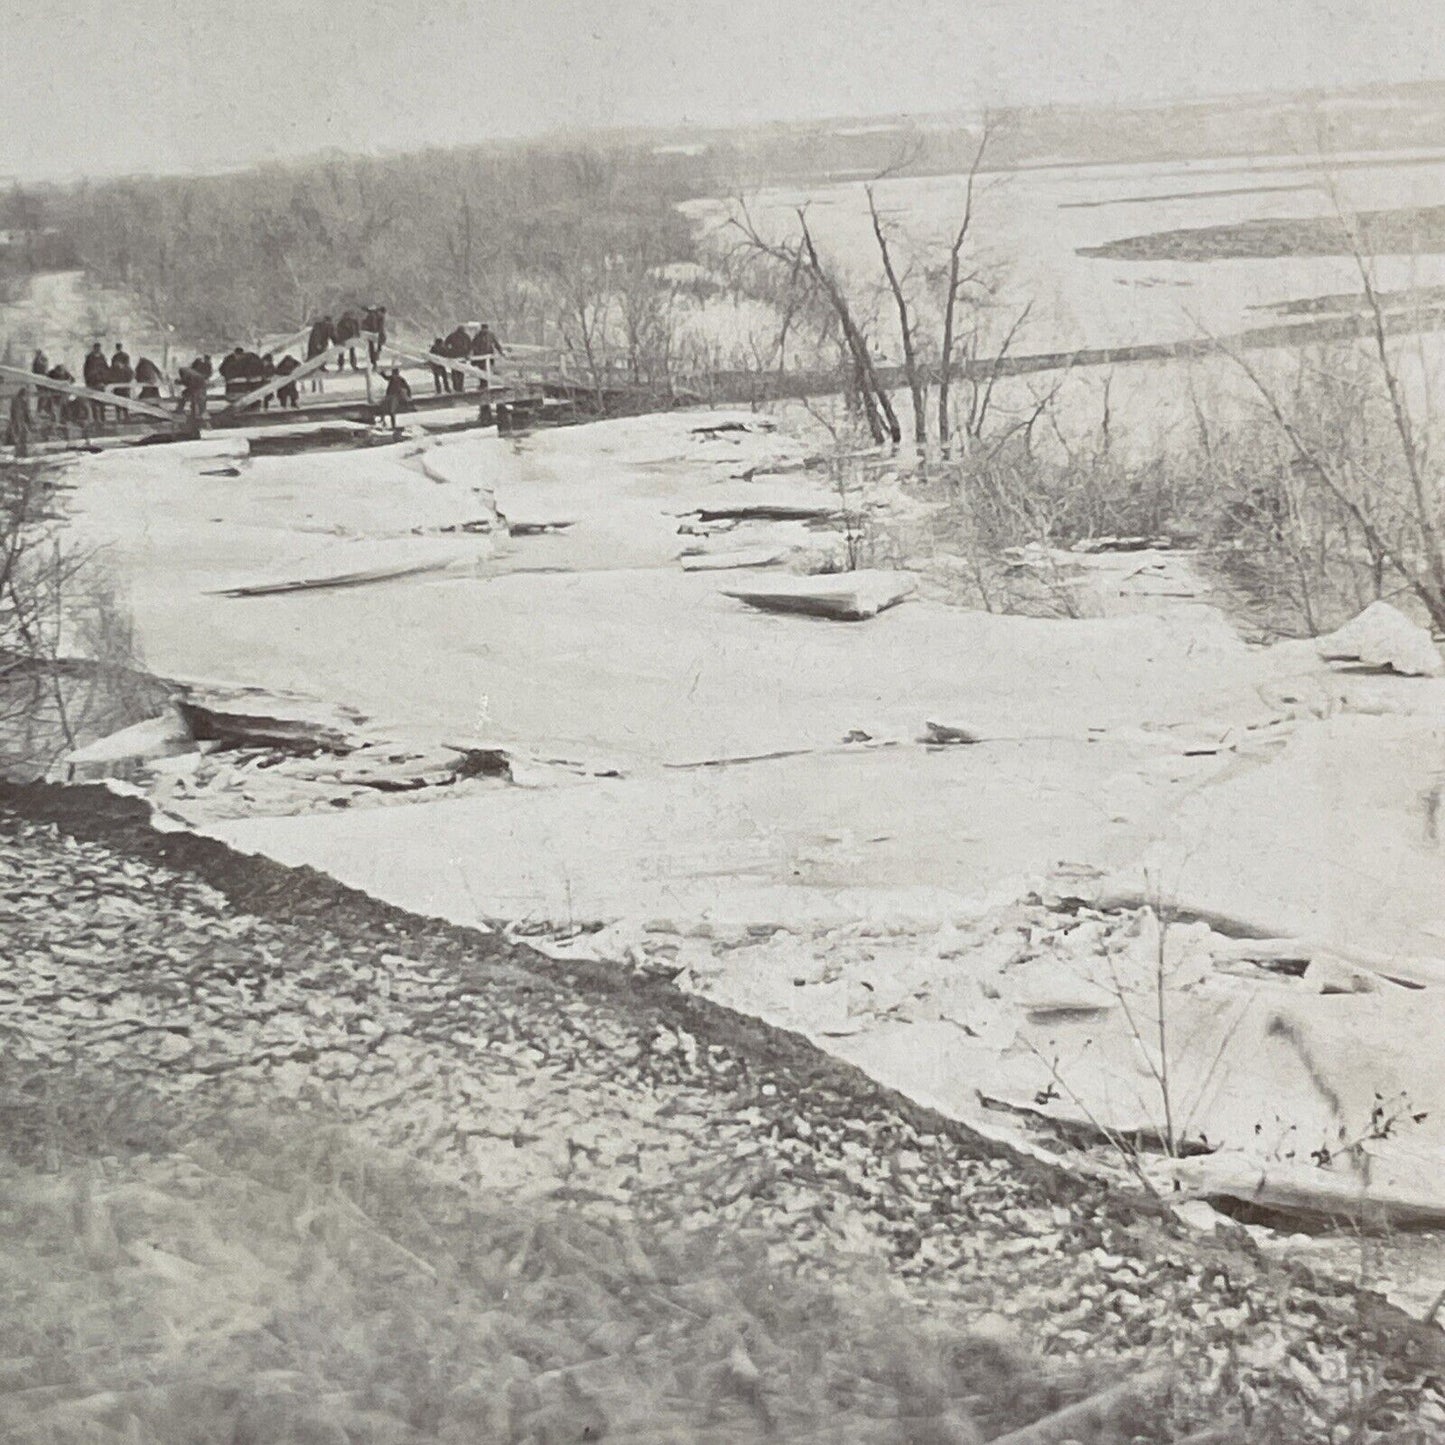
<point x="525" y="237"/>
<point x="572" y="242"/>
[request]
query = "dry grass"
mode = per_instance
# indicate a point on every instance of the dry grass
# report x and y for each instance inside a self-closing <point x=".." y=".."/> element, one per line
<point x="292" y="1287"/>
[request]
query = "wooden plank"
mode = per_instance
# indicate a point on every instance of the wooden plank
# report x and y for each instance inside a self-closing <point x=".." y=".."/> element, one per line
<point x="70" y="388"/>
<point x="447" y="363"/>
<point x="271" y="387"/>
<point x="284" y="344"/>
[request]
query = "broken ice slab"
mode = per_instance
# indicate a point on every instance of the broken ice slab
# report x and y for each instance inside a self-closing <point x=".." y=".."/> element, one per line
<point x="247" y="717"/>
<point x="1390" y="1194"/>
<point x="1382" y="636"/>
<point x="727" y="561"/>
<point x="357" y="563"/>
<point x="120" y="753"/>
<point x="841" y="596"/>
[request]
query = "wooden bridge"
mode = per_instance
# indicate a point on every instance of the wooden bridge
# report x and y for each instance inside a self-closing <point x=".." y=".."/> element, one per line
<point x="521" y="385"/>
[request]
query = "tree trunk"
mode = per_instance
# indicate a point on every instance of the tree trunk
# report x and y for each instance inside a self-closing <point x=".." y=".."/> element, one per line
<point x="916" y="386"/>
<point x="945" y="360"/>
<point x="885" y="427"/>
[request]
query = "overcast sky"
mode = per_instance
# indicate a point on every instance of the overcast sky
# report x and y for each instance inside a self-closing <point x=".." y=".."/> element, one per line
<point x="88" y="87"/>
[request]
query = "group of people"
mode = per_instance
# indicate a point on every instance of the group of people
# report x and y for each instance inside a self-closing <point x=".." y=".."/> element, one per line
<point x="353" y="324"/>
<point x="51" y="407"/>
<point x="242" y="371"/>
<point x="98" y="373"/>
<point x="462" y="344"/>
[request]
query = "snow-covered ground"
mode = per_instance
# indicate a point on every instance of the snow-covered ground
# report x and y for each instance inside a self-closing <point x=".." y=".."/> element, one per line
<point x="765" y="807"/>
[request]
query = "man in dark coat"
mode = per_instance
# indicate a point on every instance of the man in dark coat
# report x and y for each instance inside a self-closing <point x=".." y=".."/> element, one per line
<point x="323" y="334"/>
<point x="121" y="375"/>
<point x="233" y="368"/>
<point x="321" y="340"/>
<point x="439" y="378"/>
<point x="267" y="373"/>
<point x="459" y="345"/>
<point x="148" y="378"/>
<point x="374" y="325"/>
<point x="397" y="398"/>
<point x="484" y="347"/>
<point x="348" y="328"/>
<point x="252" y="372"/>
<point x="44" y="397"/>
<point x="287" y="395"/>
<point x="194" y="379"/>
<point x="70" y="409"/>
<point x="96" y="371"/>
<point x="75" y="412"/>
<point x="22" y="423"/>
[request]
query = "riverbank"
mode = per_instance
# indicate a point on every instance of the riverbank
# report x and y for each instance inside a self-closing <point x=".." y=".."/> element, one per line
<point x="167" y="988"/>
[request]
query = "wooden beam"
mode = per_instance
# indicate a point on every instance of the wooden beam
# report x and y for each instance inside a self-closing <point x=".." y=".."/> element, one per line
<point x="70" y="388"/>
<point x="271" y="387"/>
<point x="284" y="344"/>
<point x="447" y="363"/>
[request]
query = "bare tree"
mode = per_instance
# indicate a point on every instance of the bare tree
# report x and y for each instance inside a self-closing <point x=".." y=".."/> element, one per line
<point x="53" y="605"/>
<point x="1356" y="445"/>
<point x="803" y="260"/>
<point x="956" y="279"/>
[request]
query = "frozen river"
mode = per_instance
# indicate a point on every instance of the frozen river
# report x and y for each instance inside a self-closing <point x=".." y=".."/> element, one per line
<point x="1031" y="225"/>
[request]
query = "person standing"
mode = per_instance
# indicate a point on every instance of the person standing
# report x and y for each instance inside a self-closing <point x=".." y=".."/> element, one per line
<point x="439" y="378"/>
<point x="458" y="346"/>
<point x="194" y="379"/>
<point x="268" y="374"/>
<point x="374" y="325"/>
<point x="287" y="394"/>
<point x="121" y="374"/>
<point x="397" y="398"/>
<point x="233" y="368"/>
<point x="485" y="347"/>
<point x="96" y="371"/>
<point x="44" y="397"/>
<point x="17" y="434"/>
<point x="348" y="328"/>
<point x="318" y="343"/>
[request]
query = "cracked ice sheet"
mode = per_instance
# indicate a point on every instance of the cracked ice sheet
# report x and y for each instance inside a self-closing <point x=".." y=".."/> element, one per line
<point x="898" y="833"/>
<point x="1340" y="839"/>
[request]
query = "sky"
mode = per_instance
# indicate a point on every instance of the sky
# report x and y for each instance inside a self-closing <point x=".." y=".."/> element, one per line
<point x="97" y="88"/>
